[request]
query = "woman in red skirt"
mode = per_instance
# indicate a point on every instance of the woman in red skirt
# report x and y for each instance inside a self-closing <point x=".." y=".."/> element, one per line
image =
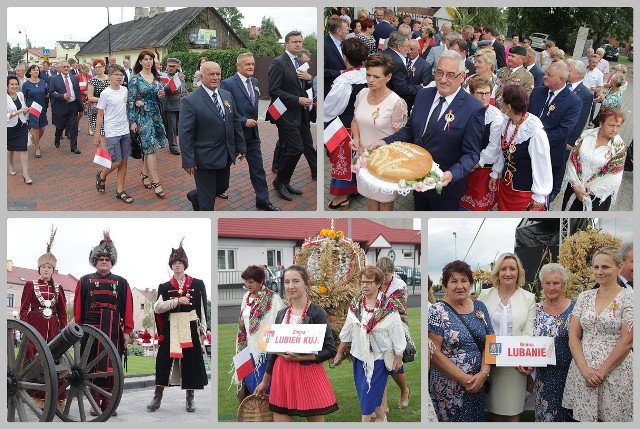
<point x="299" y="384"/>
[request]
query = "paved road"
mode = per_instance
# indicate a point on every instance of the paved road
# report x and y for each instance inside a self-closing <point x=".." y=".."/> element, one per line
<point x="624" y="201"/>
<point x="65" y="181"/>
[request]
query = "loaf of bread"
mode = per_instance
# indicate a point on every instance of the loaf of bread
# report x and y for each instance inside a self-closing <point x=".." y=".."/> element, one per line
<point x="399" y="160"/>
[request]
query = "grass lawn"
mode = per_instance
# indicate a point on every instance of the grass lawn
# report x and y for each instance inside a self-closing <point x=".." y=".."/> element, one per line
<point x="139" y="365"/>
<point x="341" y="380"/>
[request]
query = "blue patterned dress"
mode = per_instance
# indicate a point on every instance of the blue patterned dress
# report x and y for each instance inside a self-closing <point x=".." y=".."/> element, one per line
<point x="548" y="386"/>
<point x="148" y="118"/>
<point x="452" y="402"/>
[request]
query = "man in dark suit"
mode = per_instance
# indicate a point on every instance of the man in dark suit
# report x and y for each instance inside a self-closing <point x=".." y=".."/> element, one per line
<point x="559" y="109"/>
<point x="577" y="70"/>
<point x="490" y="34"/>
<point x="244" y="90"/>
<point x="416" y="65"/>
<point x="530" y="64"/>
<point x="285" y="84"/>
<point x="210" y="136"/>
<point x="449" y="123"/>
<point x="64" y="93"/>
<point x="399" y="82"/>
<point x="460" y="46"/>
<point x="383" y="29"/>
<point x="333" y="60"/>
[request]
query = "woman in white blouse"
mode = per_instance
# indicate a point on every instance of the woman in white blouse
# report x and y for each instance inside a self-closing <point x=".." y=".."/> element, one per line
<point x="522" y="175"/>
<point x="594" y="169"/>
<point x="374" y="329"/>
<point x="17" y="129"/>
<point x="512" y="310"/>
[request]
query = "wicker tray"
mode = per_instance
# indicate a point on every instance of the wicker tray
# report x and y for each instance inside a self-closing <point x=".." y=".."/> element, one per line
<point x="255" y="409"/>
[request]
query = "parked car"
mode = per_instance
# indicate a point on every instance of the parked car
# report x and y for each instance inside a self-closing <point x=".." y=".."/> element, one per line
<point x="539" y="40"/>
<point x="401" y="273"/>
<point x="611" y="52"/>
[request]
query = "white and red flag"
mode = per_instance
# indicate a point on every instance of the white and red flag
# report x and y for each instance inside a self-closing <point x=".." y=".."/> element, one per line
<point x="277" y="109"/>
<point x="334" y="134"/>
<point x="102" y="158"/>
<point x="164" y="78"/>
<point x="175" y="83"/>
<point x="35" y="109"/>
<point x="381" y="43"/>
<point x="243" y="363"/>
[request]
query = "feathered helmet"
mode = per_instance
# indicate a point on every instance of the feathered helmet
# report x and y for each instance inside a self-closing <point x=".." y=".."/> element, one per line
<point x="178" y="255"/>
<point x="105" y="248"/>
<point x="48" y="258"/>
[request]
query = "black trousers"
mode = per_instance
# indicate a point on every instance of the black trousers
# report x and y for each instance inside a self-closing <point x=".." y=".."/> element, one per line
<point x="256" y="172"/>
<point x="292" y="147"/>
<point x="70" y="123"/>
<point x="210" y="183"/>
<point x="171" y="126"/>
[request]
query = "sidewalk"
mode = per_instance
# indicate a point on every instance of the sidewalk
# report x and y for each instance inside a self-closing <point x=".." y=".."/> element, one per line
<point x="65" y="181"/>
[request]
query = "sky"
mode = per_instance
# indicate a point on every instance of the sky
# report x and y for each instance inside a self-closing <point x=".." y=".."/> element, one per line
<point x="89" y="20"/>
<point x="143" y="245"/>
<point x="495" y="236"/>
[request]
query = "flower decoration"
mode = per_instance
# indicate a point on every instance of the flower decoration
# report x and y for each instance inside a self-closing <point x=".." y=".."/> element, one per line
<point x="375" y="115"/>
<point x="449" y="118"/>
<point x="480" y="315"/>
<point x="402" y="183"/>
<point x="551" y="109"/>
<point x="430" y="181"/>
<point x="226" y="103"/>
<point x="322" y="289"/>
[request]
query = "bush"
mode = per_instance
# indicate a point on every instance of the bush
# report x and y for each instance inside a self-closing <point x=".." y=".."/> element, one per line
<point x="135" y="350"/>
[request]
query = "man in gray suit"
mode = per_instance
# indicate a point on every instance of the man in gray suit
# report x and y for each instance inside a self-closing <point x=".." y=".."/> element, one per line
<point x="171" y="105"/>
<point x="210" y="136"/>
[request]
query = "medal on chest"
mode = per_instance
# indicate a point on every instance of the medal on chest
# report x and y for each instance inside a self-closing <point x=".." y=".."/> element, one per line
<point x="47" y="304"/>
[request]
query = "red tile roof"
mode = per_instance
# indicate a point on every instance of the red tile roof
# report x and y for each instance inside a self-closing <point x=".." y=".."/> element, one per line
<point x="362" y="230"/>
<point x="38" y="52"/>
<point x="17" y="274"/>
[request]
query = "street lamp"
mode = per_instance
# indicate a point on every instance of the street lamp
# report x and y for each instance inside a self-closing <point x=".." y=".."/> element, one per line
<point x="455" y="246"/>
<point x="26" y="45"/>
<point x="15" y="314"/>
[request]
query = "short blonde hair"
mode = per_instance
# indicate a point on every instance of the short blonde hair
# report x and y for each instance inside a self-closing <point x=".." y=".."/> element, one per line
<point x="494" y="277"/>
<point x="489" y="55"/>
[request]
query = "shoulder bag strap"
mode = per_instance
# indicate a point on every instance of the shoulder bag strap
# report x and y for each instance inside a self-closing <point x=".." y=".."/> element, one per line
<point x="475" y="339"/>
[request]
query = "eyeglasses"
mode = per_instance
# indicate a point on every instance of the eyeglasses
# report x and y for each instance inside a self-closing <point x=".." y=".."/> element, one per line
<point x="450" y="75"/>
<point x="482" y="94"/>
<point x="367" y="282"/>
<point x="104" y="259"/>
<point x="117" y="74"/>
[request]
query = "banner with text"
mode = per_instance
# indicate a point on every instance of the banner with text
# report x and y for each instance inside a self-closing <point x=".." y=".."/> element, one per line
<point x="282" y="338"/>
<point x="519" y="350"/>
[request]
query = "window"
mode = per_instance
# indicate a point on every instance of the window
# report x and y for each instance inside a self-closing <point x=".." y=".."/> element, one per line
<point x="141" y="306"/>
<point x="226" y="259"/>
<point x="274" y="258"/>
<point x="9" y="300"/>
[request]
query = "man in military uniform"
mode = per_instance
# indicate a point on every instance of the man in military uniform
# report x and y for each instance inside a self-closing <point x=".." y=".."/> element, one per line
<point x="103" y="300"/>
<point x="515" y="73"/>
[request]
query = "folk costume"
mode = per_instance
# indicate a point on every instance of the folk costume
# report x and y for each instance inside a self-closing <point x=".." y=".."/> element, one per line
<point x="303" y="388"/>
<point x="254" y="314"/>
<point x="104" y="301"/>
<point x="44" y="306"/>
<point x="373" y="333"/>
<point x="180" y="327"/>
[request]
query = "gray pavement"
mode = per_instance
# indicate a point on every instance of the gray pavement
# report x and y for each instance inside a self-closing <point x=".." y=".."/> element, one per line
<point x="624" y="200"/>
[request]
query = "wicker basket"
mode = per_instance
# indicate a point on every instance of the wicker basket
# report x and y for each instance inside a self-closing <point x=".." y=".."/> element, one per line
<point x="255" y="409"/>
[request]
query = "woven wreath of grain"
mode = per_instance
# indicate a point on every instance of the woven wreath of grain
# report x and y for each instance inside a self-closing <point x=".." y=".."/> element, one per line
<point x="399" y="161"/>
<point x="576" y="253"/>
<point x="334" y="265"/>
<point x="255" y="409"/>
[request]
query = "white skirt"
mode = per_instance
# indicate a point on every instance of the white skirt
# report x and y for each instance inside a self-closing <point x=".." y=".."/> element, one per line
<point x="508" y="392"/>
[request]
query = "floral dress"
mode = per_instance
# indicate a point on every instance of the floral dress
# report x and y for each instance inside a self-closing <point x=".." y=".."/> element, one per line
<point x="452" y="402"/>
<point x="611" y="401"/>
<point x="148" y="118"/>
<point x="548" y="386"/>
<point x="98" y="86"/>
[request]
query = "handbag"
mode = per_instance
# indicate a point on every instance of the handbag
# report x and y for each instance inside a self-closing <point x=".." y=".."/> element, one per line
<point x="487" y="383"/>
<point x="409" y="353"/>
<point x="136" y="148"/>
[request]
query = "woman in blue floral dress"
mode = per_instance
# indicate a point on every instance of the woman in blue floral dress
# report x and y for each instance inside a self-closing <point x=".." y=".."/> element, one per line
<point x="146" y="92"/>
<point x="551" y="320"/>
<point x="458" y="373"/>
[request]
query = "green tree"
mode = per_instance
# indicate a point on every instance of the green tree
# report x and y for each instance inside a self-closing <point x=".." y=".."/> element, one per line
<point x="267" y="26"/>
<point x="267" y="44"/>
<point x="310" y="42"/>
<point x="232" y="16"/>
<point x="14" y="55"/>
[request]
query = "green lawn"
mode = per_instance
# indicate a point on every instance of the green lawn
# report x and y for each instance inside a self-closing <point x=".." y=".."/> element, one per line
<point x="138" y="365"/>
<point x="341" y="380"/>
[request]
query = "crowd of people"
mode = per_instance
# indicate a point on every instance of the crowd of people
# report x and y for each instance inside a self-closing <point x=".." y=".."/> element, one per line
<point x="141" y="105"/>
<point x="376" y="328"/>
<point x="390" y="78"/>
<point x="592" y="379"/>
<point x="103" y="300"/>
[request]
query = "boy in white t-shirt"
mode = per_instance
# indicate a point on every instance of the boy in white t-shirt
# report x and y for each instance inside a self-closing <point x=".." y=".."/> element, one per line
<point x="112" y="108"/>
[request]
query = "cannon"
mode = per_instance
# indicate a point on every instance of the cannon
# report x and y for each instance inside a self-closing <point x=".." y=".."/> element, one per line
<point x="68" y="363"/>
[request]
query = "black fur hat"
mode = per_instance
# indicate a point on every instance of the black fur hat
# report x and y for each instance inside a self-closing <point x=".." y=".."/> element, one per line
<point x="105" y="248"/>
<point x="178" y="255"/>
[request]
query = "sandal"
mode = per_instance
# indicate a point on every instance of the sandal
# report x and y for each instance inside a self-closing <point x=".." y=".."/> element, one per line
<point x="145" y="177"/>
<point x="100" y="182"/>
<point x="341" y="205"/>
<point x="38" y="154"/>
<point x="124" y="197"/>
<point x="160" y="194"/>
<point x="402" y="404"/>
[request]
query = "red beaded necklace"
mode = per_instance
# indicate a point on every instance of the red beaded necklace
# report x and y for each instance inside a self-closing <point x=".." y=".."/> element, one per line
<point x="253" y="302"/>
<point x="367" y="309"/>
<point x="509" y="144"/>
<point x="302" y="316"/>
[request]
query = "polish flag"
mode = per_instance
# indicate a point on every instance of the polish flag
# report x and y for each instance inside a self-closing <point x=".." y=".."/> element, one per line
<point x="381" y="43"/>
<point x="175" y="83"/>
<point x="102" y="158"/>
<point x="164" y="78"/>
<point x="277" y="109"/>
<point x="83" y="85"/>
<point x="35" y="109"/>
<point x="243" y="363"/>
<point x="335" y="134"/>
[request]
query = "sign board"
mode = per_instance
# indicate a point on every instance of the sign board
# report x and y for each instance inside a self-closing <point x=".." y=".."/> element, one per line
<point x="45" y="58"/>
<point x="46" y="52"/>
<point x="581" y="41"/>
<point x="204" y="35"/>
<point x="519" y="350"/>
<point x="282" y="338"/>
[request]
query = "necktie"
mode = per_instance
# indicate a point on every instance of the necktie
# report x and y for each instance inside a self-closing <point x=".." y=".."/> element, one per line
<point x="67" y="86"/>
<point x="250" y="91"/>
<point x="570" y="86"/>
<point x="546" y="105"/>
<point x="433" y="118"/>
<point x="297" y="61"/>
<point x="217" y="104"/>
